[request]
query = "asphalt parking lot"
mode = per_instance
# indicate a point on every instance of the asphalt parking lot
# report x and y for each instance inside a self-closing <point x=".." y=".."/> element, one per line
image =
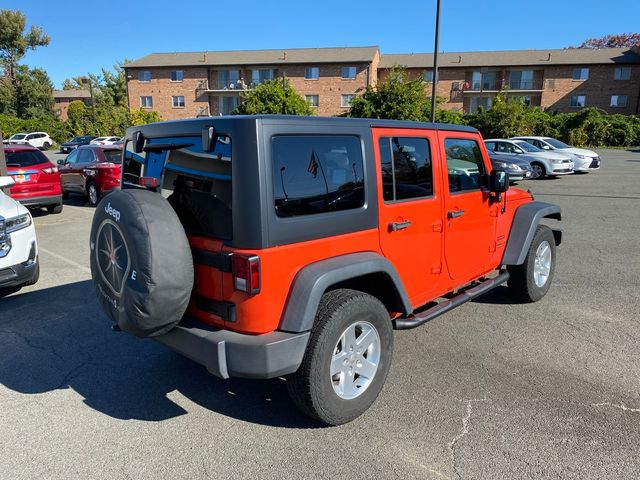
<point x="493" y="389"/>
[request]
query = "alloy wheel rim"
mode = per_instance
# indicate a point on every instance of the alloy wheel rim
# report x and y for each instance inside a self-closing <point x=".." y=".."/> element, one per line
<point x="355" y="360"/>
<point x="536" y="171"/>
<point x="542" y="264"/>
<point x="93" y="194"/>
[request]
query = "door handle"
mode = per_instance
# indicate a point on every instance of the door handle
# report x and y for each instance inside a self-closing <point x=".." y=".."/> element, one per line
<point x="455" y="213"/>
<point x="395" y="226"/>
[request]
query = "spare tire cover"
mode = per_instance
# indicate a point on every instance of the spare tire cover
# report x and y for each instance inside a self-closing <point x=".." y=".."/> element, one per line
<point x="141" y="262"/>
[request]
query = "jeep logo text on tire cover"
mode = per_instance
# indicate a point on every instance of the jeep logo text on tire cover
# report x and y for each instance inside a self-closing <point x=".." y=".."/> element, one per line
<point x="112" y="211"/>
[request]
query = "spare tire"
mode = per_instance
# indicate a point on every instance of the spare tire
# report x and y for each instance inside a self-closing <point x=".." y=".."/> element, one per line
<point x="141" y="262"/>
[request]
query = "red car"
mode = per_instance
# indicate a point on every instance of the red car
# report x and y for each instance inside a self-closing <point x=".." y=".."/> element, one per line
<point x="92" y="171"/>
<point x="37" y="179"/>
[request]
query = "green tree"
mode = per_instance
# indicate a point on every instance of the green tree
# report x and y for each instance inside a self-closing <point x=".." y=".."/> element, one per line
<point x="79" y="119"/>
<point x="15" y="42"/>
<point x="395" y="98"/>
<point x="273" y="97"/>
<point x="612" y="41"/>
<point x="7" y="97"/>
<point x="33" y="92"/>
<point x="74" y="83"/>
<point x="142" y="116"/>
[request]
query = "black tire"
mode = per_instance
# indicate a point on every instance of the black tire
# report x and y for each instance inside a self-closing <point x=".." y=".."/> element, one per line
<point x="65" y="195"/>
<point x="542" y="169"/>
<point x="46" y="146"/>
<point x="311" y="387"/>
<point x="521" y="283"/>
<point x="138" y="235"/>
<point x="93" y="200"/>
<point x="55" y="208"/>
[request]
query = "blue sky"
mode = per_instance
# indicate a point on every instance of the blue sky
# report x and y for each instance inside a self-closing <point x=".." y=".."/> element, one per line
<point x="86" y="36"/>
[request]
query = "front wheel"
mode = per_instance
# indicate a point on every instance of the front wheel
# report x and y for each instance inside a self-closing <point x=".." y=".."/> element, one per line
<point x="537" y="171"/>
<point x="347" y="359"/>
<point x="530" y="281"/>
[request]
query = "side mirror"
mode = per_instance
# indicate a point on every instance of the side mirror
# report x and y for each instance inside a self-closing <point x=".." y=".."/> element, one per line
<point x="546" y="147"/>
<point x="7" y="182"/>
<point x="498" y="181"/>
<point x="62" y="163"/>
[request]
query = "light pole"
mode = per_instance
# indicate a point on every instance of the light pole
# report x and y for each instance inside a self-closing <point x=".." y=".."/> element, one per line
<point x="434" y="81"/>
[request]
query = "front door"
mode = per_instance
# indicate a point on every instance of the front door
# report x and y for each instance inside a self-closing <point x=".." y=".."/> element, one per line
<point x="469" y="215"/>
<point x="410" y="213"/>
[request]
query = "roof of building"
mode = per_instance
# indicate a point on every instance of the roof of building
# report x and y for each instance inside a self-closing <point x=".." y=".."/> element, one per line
<point x="567" y="56"/>
<point x="282" y="56"/>
<point x="77" y="93"/>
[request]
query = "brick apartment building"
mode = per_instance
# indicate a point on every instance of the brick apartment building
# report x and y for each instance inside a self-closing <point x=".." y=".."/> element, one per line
<point x="182" y="85"/>
<point x="62" y="99"/>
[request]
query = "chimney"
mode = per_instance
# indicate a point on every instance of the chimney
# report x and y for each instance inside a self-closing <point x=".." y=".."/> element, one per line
<point x="284" y="55"/>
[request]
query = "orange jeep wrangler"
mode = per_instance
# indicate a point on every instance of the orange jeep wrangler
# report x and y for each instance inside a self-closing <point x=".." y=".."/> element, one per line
<point x="268" y="246"/>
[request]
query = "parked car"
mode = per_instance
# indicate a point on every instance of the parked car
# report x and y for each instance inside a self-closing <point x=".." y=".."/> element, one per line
<point x="18" y="246"/>
<point x="583" y="160"/>
<point x="104" y="140"/>
<point x="75" y="142"/>
<point x="39" y="140"/>
<point x="297" y="252"/>
<point x="543" y="163"/>
<point x="519" y="168"/>
<point x="92" y="171"/>
<point x="37" y="180"/>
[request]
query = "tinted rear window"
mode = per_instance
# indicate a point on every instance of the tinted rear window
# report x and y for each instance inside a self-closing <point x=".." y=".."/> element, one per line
<point x="113" y="156"/>
<point x="25" y="158"/>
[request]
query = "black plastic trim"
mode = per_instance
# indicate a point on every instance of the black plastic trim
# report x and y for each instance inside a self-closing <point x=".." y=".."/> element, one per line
<point x="224" y="310"/>
<point x="40" y="201"/>
<point x="17" y="275"/>
<point x="219" y="260"/>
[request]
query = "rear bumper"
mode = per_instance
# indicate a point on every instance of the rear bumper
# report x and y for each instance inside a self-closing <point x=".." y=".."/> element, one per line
<point x="229" y="354"/>
<point x="39" y="201"/>
<point x="17" y="275"/>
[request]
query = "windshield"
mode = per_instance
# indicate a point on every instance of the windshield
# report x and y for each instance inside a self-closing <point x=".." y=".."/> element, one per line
<point x="25" y="159"/>
<point x="113" y="156"/>
<point x="18" y="136"/>
<point x="556" y="143"/>
<point x="526" y="146"/>
<point x="77" y="139"/>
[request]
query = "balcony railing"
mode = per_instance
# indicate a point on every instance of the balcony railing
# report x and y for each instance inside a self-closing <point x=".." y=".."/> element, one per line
<point x="499" y="85"/>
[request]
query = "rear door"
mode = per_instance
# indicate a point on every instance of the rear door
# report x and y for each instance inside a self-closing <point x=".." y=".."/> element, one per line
<point x="410" y="213"/>
<point x="469" y="216"/>
<point x="66" y="171"/>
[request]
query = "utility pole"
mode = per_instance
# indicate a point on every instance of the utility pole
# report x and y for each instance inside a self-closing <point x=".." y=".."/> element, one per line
<point x="435" y="64"/>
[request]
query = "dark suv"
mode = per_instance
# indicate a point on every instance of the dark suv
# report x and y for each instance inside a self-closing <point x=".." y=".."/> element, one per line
<point x="268" y="246"/>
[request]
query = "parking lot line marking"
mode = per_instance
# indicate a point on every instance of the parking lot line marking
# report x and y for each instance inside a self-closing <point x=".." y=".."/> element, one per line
<point x="66" y="260"/>
<point x="80" y="209"/>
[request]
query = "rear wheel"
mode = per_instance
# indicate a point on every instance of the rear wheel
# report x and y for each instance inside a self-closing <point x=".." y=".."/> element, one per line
<point x="537" y="171"/>
<point x="347" y="359"/>
<point x="530" y="281"/>
<point x="94" y="194"/>
<point x="46" y="146"/>
<point x="55" y="208"/>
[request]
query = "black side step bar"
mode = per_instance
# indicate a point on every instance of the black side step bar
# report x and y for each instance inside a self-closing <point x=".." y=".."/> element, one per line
<point x="413" y="321"/>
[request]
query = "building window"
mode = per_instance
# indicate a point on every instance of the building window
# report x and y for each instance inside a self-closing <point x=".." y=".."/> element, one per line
<point x="581" y="74"/>
<point x="229" y="79"/>
<point x="144" y="76"/>
<point x="484" y="80"/>
<point x="312" y="73"/>
<point x="480" y="102"/>
<point x="261" y="76"/>
<point x="622" y="73"/>
<point x="619" y="101"/>
<point x="348" y="72"/>
<point x="229" y="104"/>
<point x="578" y="100"/>
<point x="146" y="102"/>
<point x="521" y="80"/>
<point x="427" y="76"/>
<point x="345" y="100"/>
<point x="177" y="76"/>
<point x="177" y="101"/>
<point x="312" y="100"/>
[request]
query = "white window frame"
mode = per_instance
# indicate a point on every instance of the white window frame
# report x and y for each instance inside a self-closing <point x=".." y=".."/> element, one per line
<point x="622" y="73"/>
<point x="348" y="97"/>
<point x="175" y="101"/>
<point x="349" y="67"/>
<point x="142" y="73"/>
<point x="142" y="104"/>
<point x="582" y="76"/>
<point x="578" y="97"/>
<point x="310" y="103"/>
<point x="617" y="101"/>
<point x="313" y="70"/>
<point x="181" y="76"/>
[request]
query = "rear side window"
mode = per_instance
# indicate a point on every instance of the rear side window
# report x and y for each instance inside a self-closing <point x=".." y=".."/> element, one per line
<point x="464" y="164"/>
<point x="406" y="168"/>
<point x="25" y="158"/>
<point x="317" y="174"/>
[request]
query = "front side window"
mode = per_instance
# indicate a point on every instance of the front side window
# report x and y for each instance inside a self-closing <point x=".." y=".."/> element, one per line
<point x="144" y="76"/>
<point x="146" y="101"/>
<point x="345" y="100"/>
<point x="177" y="76"/>
<point x="622" y="73"/>
<point x="72" y="158"/>
<point x="406" y="168"/>
<point x="580" y="73"/>
<point x="317" y="174"/>
<point x="177" y="101"/>
<point x="465" y="166"/>
<point x="578" y="100"/>
<point x="618" y="100"/>
<point x="312" y="100"/>
<point x="312" y="73"/>
<point x="348" y="72"/>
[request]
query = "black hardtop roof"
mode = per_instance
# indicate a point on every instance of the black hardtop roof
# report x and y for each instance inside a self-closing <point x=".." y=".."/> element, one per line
<point x="195" y="125"/>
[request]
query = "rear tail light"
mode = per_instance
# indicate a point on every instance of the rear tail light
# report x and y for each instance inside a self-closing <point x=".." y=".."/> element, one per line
<point x="150" y="182"/>
<point x="50" y="170"/>
<point x="246" y="273"/>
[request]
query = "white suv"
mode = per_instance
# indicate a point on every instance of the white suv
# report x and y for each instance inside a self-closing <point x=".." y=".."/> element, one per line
<point x="39" y="140"/>
<point x="18" y="246"/>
